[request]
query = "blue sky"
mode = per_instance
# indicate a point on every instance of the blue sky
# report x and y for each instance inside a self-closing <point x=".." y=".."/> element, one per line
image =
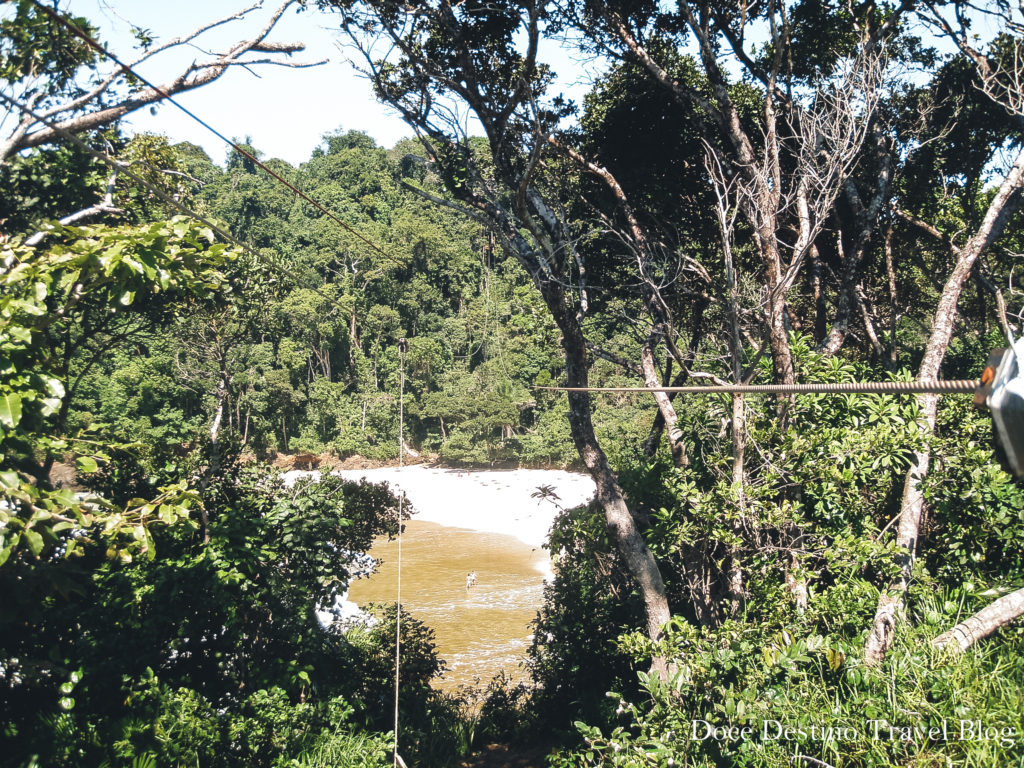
<point x="284" y="110"/>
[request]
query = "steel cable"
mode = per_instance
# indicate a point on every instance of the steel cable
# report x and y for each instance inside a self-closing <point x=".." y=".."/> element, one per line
<point x="936" y="386"/>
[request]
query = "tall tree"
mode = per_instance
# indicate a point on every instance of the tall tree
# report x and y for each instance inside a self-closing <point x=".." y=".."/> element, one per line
<point x="792" y="138"/>
<point x="997" y="73"/>
<point x="446" y="58"/>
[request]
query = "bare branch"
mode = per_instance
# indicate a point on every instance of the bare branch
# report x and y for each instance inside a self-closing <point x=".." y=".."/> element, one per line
<point x="106" y="205"/>
<point x="437" y="200"/>
<point x="195" y="76"/>
<point x="1001" y="81"/>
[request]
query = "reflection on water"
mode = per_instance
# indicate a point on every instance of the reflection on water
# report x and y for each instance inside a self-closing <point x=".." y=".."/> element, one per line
<point x="480" y="630"/>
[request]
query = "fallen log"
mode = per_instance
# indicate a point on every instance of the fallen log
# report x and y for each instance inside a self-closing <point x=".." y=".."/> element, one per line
<point x="982" y="624"/>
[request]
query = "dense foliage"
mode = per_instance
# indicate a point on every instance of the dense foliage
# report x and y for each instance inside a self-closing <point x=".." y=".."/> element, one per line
<point x="315" y="367"/>
<point x="774" y="663"/>
<point x="211" y="653"/>
<point x="791" y="191"/>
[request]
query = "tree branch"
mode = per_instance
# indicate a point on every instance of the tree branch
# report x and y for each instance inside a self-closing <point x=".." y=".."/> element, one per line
<point x="194" y="76"/>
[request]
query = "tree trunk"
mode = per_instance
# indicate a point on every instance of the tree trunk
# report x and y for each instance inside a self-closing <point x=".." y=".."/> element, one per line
<point x="890" y="602"/>
<point x="654" y="435"/>
<point x="739" y="439"/>
<point x="866" y="216"/>
<point x="214" y="467"/>
<point x="867" y="316"/>
<point x="353" y="341"/>
<point x="836" y="334"/>
<point x="982" y="624"/>
<point x="668" y="413"/>
<point x="890" y="271"/>
<point x="778" y="338"/>
<point x="621" y="524"/>
<point x="739" y="421"/>
<point x="796" y="585"/>
<point x="820" y="320"/>
<point x="218" y="413"/>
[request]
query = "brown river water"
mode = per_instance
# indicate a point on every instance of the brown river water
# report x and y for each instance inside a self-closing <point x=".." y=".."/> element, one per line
<point x="480" y="630"/>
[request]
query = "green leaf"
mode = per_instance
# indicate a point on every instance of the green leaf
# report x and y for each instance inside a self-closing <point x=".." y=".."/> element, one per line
<point x="20" y="333"/>
<point x="10" y="409"/>
<point x="86" y="464"/>
<point x="34" y="540"/>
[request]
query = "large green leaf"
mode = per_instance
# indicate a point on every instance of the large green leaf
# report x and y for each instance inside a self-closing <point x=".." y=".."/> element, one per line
<point x="10" y="409"/>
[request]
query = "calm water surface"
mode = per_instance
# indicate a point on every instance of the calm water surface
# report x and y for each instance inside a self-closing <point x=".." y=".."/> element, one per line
<point x="481" y="630"/>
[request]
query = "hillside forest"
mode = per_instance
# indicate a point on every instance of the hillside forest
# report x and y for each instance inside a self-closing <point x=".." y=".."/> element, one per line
<point x="777" y="192"/>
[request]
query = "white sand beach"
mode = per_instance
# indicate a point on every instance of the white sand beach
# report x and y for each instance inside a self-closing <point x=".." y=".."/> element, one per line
<point x="495" y="501"/>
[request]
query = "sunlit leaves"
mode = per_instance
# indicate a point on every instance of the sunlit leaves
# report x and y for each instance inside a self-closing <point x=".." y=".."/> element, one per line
<point x="47" y="294"/>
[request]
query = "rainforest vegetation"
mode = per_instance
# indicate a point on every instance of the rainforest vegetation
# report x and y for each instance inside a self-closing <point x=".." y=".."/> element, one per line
<point x="771" y="192"/>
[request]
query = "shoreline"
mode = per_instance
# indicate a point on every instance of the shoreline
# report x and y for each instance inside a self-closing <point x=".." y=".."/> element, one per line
<point x="522" y="503"/>
<point x="301" y="460"/>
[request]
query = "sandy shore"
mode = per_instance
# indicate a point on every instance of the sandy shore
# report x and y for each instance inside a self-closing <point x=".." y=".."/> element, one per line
<point x="496" y="501"/>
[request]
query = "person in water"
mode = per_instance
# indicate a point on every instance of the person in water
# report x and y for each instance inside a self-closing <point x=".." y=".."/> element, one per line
<point x="470" y="579"/>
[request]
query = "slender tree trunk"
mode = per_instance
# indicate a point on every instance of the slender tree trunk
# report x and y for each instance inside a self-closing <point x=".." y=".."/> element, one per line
<point x="820" y="319"/>
<point x="867" y="316"/>
<point x="654" y="435"/>
<point x="630" y="544"/>
<point x="739" y="439"/>
<point x="796" y="585"/>
<point x="866" y="216"/>
<point x="218" y="416"/>
<point x="890" y="271"/>
<point x="353" y="341"/>
<point x="620" y="521"/>
<point x="890" y="602"/>
<point x="778" y="337"/>
<point x="665" y="408"/>
<point x="734" y="577"/>
<point x="218" y="413"/>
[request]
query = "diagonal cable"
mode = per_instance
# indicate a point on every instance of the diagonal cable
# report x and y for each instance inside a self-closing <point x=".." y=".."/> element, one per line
<point x="126" y="69"/>
<point x="176" y="204"/>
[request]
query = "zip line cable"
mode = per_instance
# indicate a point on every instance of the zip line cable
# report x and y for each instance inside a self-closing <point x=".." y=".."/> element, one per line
<point x="933" y="386"/>
<point x="402" y="346"/>
<point x="126" y="69"/>
<point x="176" y="204"/>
